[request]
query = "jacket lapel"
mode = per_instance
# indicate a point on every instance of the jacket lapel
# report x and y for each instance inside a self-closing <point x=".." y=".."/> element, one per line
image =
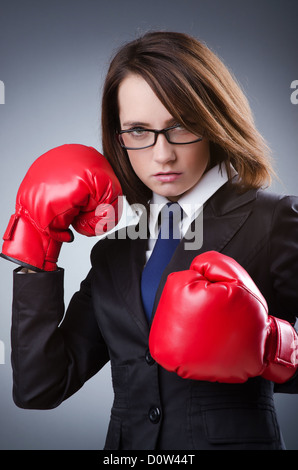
<point x="126" y="262"/>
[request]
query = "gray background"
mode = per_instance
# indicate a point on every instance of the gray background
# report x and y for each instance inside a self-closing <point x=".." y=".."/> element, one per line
<point x="53" y="57"/>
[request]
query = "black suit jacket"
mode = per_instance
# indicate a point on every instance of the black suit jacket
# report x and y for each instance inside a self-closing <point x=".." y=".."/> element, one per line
<point x="105" y="321"/>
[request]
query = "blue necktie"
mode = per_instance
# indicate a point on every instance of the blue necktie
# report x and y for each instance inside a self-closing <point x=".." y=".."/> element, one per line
<point x="167" y="242"/>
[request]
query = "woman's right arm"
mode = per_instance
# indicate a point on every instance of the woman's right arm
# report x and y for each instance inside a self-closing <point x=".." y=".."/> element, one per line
<point x="52" y="360"/>
<point x="69" y="185"/>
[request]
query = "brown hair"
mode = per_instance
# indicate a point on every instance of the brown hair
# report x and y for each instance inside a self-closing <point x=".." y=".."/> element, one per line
<point x="199" y="91"/>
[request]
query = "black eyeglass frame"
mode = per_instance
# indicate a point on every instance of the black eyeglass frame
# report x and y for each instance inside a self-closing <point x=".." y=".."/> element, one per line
<point x="156" y="134"/>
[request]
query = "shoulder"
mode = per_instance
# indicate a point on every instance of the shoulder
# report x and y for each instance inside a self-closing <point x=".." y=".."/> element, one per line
<point x="269" y="197"/>
<point x="277" y="216"/>
<point x="231" y="197"/>
<point x="278" y="205"/>
<point x="264" y="199"/>
<point x="266" y="208"/>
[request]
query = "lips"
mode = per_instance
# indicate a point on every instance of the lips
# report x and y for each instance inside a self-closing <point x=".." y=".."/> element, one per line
<point x="167" y="177"/>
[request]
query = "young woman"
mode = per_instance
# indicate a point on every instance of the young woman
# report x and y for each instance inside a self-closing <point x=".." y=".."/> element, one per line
<point x="198" y="370"/>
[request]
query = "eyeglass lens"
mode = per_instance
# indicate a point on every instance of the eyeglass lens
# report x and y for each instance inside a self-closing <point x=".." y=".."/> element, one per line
<point x="141" y="138"/>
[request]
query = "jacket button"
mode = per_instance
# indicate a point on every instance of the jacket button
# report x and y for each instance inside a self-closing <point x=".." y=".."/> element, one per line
<point x="154" y="415"/>
<point x="149" y="359"/>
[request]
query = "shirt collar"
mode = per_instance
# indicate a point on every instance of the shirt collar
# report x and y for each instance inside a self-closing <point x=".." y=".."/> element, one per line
<point x="192" y="201"/>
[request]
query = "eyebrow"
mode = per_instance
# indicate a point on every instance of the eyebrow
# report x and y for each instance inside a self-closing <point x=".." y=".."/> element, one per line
<point x="168" y="123"/>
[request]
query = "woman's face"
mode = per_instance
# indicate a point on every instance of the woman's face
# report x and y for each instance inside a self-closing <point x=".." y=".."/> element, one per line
<point x="167" y="169"/>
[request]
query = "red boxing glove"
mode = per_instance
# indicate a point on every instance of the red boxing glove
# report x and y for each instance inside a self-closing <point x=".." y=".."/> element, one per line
<point x="212" y="324"/>
<point x="70" y="184"/>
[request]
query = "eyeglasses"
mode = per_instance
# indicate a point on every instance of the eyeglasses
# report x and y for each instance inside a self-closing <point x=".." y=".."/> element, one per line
<point x="140" y="138"/>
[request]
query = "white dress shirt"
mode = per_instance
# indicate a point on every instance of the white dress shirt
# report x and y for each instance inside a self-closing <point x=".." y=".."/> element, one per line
<point x="191" y="202"/>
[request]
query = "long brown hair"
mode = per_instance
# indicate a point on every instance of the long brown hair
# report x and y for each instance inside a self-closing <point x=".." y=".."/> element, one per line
<point x="200" y="92"/>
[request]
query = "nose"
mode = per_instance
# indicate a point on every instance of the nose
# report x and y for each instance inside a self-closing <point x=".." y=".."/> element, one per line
<point x="163" y="151"/>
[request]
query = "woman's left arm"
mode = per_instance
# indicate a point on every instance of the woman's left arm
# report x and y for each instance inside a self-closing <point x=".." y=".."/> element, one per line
<point x="283" y="253"/>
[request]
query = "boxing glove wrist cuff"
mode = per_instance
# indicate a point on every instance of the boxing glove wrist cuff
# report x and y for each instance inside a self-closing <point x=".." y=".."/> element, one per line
<point x="281" y="353"/>
<point x="27" y="246"/>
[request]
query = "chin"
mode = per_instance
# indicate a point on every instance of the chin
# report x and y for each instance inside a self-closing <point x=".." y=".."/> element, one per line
<point x="173" y="194"/>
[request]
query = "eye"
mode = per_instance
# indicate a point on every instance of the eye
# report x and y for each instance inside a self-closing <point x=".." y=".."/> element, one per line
<point x="178" y="128"/>
<point x="138" y="133"/>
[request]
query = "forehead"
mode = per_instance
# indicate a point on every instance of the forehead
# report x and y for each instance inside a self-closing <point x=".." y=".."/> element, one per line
<point x="138" y="103"/>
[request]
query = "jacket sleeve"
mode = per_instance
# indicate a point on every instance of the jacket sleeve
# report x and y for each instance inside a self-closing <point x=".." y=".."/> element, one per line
<point x="283" y="253"/>
<point x="51" y="358"/>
